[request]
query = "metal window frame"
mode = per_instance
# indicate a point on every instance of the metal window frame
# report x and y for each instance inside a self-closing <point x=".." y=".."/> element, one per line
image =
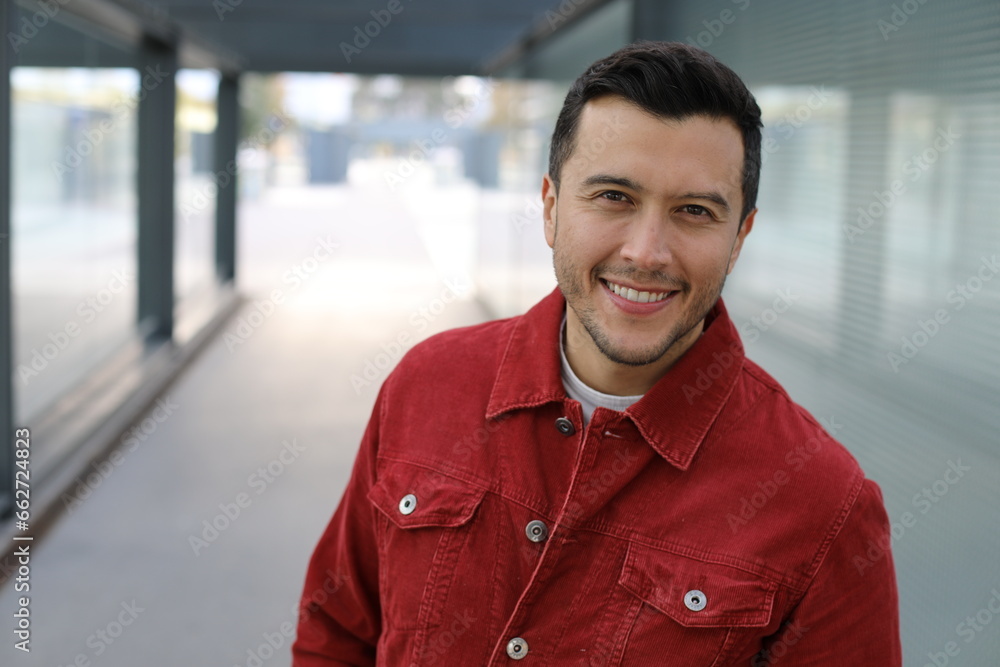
<point x="8" y="16"/>
<point x="159" y="43"/>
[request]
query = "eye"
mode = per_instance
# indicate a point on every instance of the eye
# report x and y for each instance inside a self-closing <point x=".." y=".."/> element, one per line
<point x="614" y="196"/>
<point x="696" y="210"/>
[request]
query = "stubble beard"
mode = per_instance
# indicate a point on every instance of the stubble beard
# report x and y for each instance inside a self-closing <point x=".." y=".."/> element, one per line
<point x="575" y="293"/>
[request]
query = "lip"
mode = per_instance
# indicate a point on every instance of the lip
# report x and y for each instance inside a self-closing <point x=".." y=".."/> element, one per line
<point x="633" y="308"/>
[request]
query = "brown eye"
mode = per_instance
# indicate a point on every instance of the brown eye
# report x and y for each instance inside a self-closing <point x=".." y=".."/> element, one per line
<point x="694" y="209"/>
<point x="614" y="195"/>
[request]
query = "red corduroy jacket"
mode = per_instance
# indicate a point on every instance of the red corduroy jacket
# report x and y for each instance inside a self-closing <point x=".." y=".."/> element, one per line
<point x="714" y="522"/>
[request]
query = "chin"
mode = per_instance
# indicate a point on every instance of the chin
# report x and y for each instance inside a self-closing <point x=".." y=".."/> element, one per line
<point x="630" y="350"/>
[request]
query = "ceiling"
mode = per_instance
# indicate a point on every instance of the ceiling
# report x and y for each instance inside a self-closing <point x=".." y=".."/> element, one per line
<point x="414" y="37"/>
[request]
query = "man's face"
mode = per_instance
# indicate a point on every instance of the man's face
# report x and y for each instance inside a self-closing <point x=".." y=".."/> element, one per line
<point x="645" y="227"/>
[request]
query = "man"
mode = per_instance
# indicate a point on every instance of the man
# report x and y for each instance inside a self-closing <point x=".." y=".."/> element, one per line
<point x="607" y="480"/>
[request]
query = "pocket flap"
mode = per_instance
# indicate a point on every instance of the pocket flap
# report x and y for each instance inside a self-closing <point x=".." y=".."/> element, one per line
<point x="415" y="497"/>
<point x="695" y="593"/>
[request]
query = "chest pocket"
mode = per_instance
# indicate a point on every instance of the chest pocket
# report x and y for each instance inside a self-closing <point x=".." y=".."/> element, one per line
<point x="693" y="611"/>
<point x="420" y="542"/>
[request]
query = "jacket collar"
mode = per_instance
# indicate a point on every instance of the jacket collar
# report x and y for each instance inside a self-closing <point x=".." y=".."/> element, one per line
<point x="674" y="416"/>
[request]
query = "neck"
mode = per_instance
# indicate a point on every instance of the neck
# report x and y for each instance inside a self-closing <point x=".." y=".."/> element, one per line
<point x="598" y="372"/>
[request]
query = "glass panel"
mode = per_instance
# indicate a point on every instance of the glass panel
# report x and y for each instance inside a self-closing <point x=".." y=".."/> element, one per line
<point x="74" y="99"/>
<point x="73" y="224"/>
<point x="793" y="248"/>
<point x="195" y="188"/>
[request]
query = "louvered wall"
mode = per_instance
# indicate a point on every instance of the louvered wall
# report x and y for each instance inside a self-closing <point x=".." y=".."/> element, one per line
<point x="848" y="103"/>
<point x="861" y="288"/>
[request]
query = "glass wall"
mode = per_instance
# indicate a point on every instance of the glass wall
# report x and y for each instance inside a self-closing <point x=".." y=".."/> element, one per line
<point x="877" y="224"/>
<point x="73" y="217"/>
<point x="195" y="186"/>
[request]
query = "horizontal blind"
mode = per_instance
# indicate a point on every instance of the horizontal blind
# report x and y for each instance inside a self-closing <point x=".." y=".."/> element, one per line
<point x="879" y="208"/>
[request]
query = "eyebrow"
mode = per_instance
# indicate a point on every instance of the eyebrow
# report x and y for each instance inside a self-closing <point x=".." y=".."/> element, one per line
<point x="621" y="181"/>
<point x="608" y="179"/>
<point x="710" y="196"/>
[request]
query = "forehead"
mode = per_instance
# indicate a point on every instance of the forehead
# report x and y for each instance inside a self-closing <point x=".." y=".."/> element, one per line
<point x="614" y="135"/>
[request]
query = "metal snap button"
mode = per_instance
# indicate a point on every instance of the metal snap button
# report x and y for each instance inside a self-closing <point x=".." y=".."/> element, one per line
<point x="695" y="600"/>
<point x="536" y="531"/>
<point x="517" y="648"/>
<point x="408" y="504"/>
<point x="565" y="426"/>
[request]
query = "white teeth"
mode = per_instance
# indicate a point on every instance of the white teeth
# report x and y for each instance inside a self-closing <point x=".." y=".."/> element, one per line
<point x="633" y="295"/>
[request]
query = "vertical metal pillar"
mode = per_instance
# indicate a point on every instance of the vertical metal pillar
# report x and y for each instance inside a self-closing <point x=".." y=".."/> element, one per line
<point x="157" y="111"/>
<point x="226" y="144"/>
<point x="8" y="17"/>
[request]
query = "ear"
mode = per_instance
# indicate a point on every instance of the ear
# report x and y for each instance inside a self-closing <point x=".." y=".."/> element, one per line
<point x="549" y="196"/>
<point x="740" y="236"/>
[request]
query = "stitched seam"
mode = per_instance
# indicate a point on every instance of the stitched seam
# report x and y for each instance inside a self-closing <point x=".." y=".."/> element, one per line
<point x="837" y="525"/>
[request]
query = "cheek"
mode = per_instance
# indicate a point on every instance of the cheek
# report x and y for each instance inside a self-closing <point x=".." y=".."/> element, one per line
<point x="703" y="261"/>
<point x="582" y="244"/>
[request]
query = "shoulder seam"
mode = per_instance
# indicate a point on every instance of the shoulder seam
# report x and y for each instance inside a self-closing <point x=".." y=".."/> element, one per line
<point x="837" y="525"/>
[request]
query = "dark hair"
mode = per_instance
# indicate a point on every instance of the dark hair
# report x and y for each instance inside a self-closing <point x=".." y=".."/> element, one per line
<point x="670" y="80"/>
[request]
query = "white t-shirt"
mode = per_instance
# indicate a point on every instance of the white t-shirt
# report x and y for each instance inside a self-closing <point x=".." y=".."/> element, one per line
<point x="589" y="398"/>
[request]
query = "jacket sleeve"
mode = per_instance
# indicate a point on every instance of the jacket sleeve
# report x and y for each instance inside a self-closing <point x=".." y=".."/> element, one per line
<point x="850" y="613"/>
<point x="339" y="613"/>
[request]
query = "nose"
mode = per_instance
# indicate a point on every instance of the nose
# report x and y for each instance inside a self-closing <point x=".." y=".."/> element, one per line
<point x="647" y="243"/>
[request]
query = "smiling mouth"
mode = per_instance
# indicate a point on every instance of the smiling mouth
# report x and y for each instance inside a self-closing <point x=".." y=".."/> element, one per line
<point x="636" y="296"/>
